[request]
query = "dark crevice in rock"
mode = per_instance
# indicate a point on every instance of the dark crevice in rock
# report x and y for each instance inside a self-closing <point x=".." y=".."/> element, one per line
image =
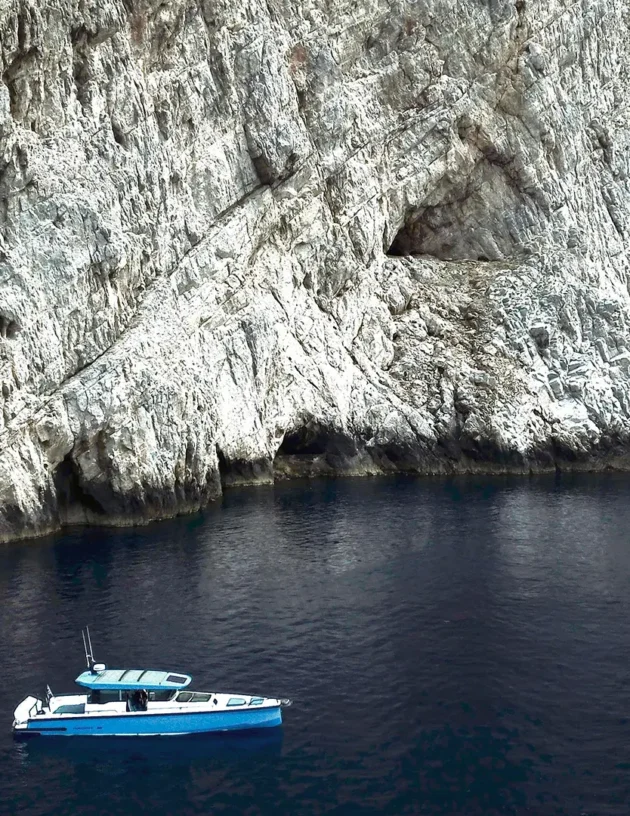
<point x="8" y="327"/>
<point x="540" y="335"/>
<point x="438" y="232"/>
<point x="268" y="174"/>
<point x="223" y="465"/>
<point x="238" y="471"/>
<point x="314" y="439"/>
<point x="397" y="458"/>
<point x="307" y="440"/>
<point x="489" y="451"/>
<point x="119" y="135"/>
<point x="81" y="73"/>
<point x="72" y="496"/>
<point x="263" y="170"/>
<point x="15" y="78"/>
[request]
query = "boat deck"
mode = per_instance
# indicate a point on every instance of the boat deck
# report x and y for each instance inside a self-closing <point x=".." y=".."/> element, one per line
<point x="184" y="701"/>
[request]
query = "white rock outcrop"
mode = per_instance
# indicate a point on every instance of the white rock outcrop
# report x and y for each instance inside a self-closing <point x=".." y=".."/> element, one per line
<point x="250" y="239"/>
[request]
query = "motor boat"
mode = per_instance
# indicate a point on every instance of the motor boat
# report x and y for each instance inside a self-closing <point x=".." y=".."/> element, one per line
<point x="141" y="702"/>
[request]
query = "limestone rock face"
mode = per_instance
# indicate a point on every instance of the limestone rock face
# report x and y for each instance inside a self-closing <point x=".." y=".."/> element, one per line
<point x="258" y="238"/>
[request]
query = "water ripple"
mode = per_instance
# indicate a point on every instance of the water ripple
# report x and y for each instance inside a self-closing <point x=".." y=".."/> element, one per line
<point x="452" y="648"/>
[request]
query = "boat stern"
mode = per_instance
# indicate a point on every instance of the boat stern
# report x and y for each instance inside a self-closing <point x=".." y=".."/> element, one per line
<point x="29" y="707"/>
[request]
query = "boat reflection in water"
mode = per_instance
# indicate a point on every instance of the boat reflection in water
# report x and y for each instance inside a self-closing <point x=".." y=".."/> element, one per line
<point x="155" y="752"/>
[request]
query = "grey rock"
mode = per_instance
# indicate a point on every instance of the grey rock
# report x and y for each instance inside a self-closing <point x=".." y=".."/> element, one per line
<point x="249" y="240"/>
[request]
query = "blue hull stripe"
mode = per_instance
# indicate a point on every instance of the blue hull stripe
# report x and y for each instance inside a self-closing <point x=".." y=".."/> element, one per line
<point x="165" y="723"/>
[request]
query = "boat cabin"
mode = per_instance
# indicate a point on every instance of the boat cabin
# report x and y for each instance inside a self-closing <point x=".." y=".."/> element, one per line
<point x="135" y="687"/>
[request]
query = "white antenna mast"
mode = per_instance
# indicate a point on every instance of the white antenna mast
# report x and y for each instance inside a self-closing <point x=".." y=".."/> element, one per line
<point x="87" y="645"/>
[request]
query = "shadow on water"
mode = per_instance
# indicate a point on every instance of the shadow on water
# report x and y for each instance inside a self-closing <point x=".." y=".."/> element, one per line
<point x="127" y="775"/>
<point x="153" y="751"/>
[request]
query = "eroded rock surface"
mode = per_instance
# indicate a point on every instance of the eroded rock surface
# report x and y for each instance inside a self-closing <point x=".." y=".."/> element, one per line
<point x="256" y="238"/>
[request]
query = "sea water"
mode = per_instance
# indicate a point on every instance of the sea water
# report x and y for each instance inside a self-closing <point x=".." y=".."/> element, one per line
<point x="451" y="647"/>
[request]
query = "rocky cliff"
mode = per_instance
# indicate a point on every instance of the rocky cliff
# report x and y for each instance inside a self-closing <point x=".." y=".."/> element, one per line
<point x="247" y="239"/>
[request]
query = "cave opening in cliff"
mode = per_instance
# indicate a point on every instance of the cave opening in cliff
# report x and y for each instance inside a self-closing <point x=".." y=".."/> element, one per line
<point x="70" y="492"/>
<point x="8" y="327"/>
<point x="483" y="214"/>
<point x="239" y="470"/>
<point x="223" y="466"/>
<point x="314" y="449"/>
<point x="313" y="439"/>
<point x="442" y="233"/>
<point x="308" y="440"/>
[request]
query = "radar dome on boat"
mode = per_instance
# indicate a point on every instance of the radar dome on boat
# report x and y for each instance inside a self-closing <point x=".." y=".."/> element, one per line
<point x="99" y="667"/>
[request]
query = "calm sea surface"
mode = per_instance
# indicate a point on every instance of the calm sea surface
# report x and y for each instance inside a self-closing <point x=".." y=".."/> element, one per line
<point x="451" y="647"/>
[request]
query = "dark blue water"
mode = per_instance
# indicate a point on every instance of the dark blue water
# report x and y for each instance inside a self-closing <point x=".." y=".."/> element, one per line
<point x="451" y="647"/>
